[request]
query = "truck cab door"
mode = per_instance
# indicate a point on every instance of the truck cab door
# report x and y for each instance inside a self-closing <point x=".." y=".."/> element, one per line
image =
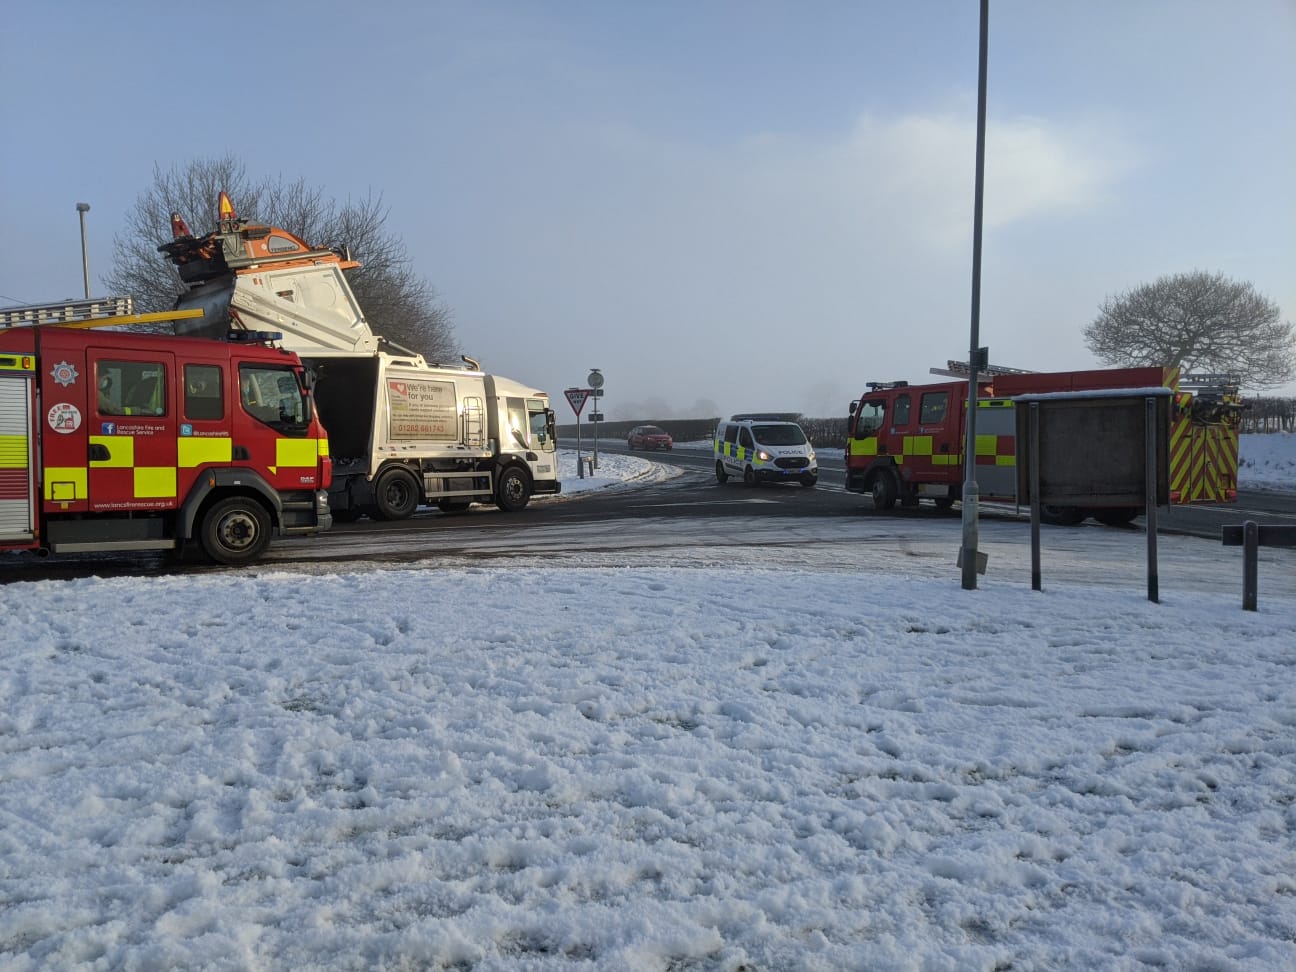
<point x="540" y="418"/>
<point x="131" y="441"/>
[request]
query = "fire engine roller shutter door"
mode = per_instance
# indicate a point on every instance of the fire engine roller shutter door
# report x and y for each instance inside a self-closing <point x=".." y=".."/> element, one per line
<point x="16" y="488"/>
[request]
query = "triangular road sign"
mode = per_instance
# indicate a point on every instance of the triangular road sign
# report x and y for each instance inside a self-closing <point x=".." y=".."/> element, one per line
<point x="576" y="398"/>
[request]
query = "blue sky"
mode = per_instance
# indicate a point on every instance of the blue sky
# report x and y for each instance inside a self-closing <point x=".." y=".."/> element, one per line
<point x="724" y="206"/>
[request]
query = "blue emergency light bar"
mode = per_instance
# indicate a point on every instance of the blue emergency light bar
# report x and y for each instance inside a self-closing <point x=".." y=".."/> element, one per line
<point x="258" y="336"/>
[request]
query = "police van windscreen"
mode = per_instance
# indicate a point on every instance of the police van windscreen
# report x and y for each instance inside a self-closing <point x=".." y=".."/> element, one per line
<point x="779" y="435"/>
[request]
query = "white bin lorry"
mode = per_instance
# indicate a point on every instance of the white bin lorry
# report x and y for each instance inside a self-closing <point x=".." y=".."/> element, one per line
<point x="403" y="433"/>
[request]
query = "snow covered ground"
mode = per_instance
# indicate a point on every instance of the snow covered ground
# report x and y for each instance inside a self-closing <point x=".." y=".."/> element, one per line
<point x="756" y="767"/>
<point x="1267" y="461"/>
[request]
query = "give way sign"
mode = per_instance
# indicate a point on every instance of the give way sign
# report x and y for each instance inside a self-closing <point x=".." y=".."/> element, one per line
<point x="576" y="398"/>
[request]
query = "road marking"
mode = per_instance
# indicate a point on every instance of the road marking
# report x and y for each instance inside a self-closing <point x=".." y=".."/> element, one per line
<point x="741" y="502"/>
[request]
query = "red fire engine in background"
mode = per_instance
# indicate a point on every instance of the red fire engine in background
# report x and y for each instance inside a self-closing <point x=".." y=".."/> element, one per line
<point x="905" y="442"/>
<point x="116" y="440"/>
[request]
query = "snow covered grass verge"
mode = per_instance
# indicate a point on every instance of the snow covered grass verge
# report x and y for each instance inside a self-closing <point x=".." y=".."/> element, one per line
<point x="642" y="769"/>
<point x="613" y="470"/>
<point x="1267" y="461"/>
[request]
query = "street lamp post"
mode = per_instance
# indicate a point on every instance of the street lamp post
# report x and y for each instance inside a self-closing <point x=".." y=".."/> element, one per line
<point x="978" y="357"/>
<point x="84" y="208"/>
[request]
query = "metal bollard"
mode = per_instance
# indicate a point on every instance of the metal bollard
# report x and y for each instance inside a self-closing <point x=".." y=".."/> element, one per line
<point x="1250" y="564"/>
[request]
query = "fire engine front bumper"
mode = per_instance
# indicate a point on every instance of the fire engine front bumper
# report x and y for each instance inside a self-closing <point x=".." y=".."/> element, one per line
<point x="304" y="513"/>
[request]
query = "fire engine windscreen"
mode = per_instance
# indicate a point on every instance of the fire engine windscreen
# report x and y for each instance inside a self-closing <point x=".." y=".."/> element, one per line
<point x="868" y="417"/>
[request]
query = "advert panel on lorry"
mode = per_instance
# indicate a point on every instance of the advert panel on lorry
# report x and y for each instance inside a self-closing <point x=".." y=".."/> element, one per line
<point x="422" y="410"/>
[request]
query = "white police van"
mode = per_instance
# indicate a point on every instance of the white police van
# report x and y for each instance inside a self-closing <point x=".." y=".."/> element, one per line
<point x="764" y="448"/>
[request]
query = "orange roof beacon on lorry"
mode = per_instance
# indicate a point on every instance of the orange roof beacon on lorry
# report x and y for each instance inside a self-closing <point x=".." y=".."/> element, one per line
<point x="905" y="442"/>
<point x="113" y="440"/>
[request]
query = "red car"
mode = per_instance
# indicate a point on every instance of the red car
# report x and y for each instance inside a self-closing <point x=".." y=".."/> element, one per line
<point x="649" y="437"/>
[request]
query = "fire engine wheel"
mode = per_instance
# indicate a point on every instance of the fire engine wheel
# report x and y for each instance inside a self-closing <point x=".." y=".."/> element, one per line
<point x="722" y="477"/>
<point x="884" y="490"/>
<point x="235" y="530"/>
<point x="944" y="502"/>
<point x="1117" y="515"/>
<point x="396" y="495"/>
<point x="513" y="491"/>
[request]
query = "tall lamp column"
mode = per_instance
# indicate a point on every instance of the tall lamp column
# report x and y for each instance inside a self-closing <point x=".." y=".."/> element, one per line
<point x="84" y="208"/>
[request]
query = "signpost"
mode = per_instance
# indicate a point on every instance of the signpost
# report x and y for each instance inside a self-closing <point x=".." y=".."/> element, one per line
<point x="576" y="398"/>
<point x="595" y="380"/>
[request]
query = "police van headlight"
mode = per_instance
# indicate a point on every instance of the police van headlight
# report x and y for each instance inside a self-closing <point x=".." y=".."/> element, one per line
<point x="811" y="457"/>
<point x="764" y="456"/>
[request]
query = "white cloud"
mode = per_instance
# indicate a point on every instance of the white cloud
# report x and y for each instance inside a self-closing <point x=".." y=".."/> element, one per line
<point x="763" y="268"/>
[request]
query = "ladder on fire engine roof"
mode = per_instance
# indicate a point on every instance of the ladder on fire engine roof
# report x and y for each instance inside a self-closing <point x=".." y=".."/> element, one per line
<point x="1224" y="383"/>
<point x="959" y="369"/>
<point x="95" y="312"/>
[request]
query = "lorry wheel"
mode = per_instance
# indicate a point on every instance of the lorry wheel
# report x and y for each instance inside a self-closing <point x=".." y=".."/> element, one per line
<point x="235" y="530"/>
<point x="396" y="494"/>
<point x="513" y="491"/>
<point x="1116" y="515"/>
<point x="1061" y="515"/>
<point x="884" y="490"/>
<point x="722" y="477"/>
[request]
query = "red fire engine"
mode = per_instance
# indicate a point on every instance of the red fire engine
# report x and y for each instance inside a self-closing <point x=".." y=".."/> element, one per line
<point x="113" y="440"/>
<point x="905" y="442"/>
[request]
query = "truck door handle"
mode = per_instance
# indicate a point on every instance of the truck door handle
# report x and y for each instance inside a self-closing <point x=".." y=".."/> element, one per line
<point x="99" y="452"/>
<point x="240" y="452"/>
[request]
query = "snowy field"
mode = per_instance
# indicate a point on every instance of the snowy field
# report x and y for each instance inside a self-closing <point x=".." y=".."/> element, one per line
<point x="654" y="768"/>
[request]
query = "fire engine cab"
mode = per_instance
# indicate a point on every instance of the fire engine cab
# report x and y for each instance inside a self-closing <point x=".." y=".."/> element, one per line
<point x="116" y="440"/>
<point x="905" y="442"/>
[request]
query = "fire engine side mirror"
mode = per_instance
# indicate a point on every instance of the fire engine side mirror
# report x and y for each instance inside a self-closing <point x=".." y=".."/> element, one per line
<point x="850" y="410"/>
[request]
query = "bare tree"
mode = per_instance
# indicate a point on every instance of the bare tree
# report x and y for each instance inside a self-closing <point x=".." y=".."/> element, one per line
<point x="399" y="304"/>
<point x="1199" y="322"/>
<point x="139" y="270"/>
